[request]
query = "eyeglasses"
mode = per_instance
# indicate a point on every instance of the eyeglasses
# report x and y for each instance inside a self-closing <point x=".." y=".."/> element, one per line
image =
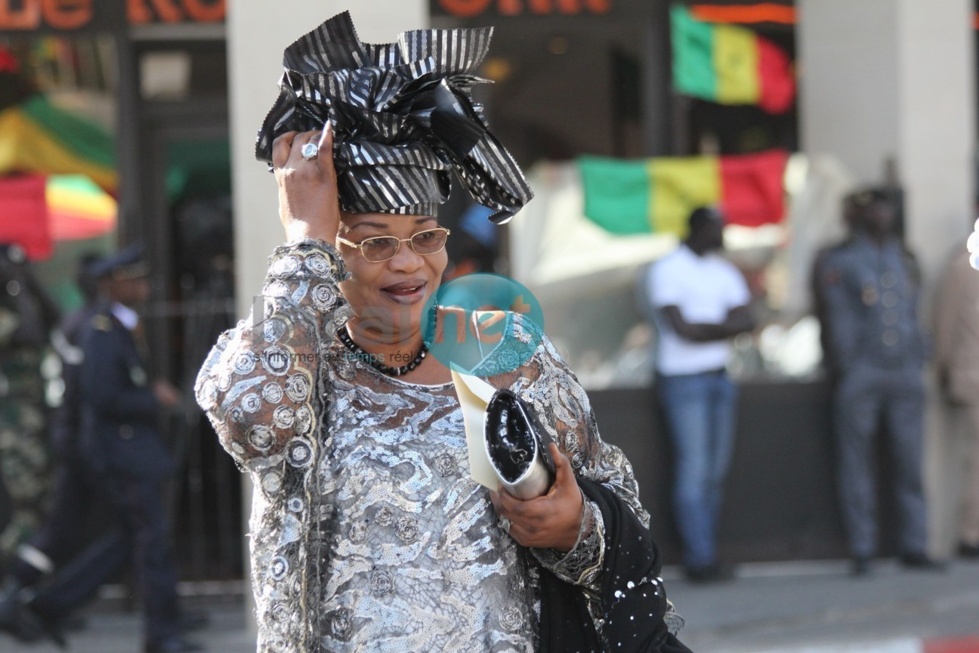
<point x="383" y="248"/>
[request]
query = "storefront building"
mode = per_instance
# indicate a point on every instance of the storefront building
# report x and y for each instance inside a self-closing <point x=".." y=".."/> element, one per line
<point x="152" y="77"/>
<point x="886" y="94"/>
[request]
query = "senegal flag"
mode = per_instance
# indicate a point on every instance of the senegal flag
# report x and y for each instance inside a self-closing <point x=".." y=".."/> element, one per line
<point x="657" y="195"/>
<point x="729" y="65"/>
<point x="37" y="137"/>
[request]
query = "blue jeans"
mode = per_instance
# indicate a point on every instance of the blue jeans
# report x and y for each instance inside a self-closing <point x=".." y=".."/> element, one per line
<point x="700" y="415"/>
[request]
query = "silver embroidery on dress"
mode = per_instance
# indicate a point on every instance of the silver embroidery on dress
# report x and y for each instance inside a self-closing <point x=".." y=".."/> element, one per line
<point x="366" y="530"/>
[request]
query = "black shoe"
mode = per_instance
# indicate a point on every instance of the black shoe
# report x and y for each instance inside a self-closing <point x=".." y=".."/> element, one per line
<point x="921" y="562"/>
<point x="16" y="621"/>
<point x="193" y="620"/>
<point x="174" y="644"/>
<point x="19" y="619"/>
<point x="712" y="573"/>
<point x="862" y="566"/>
<point x="53" y="629"/>
<point x="970" y="551"/>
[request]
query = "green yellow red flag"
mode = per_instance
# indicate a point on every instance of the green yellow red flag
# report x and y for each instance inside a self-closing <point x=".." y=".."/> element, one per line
<point x="656" y="195"/>
<point x="36" y="211"/>
<point x="37" y="137"/>
<point x="78" y="209"/>
<point x="728" y="64"/>
<point x="24" y="215"/>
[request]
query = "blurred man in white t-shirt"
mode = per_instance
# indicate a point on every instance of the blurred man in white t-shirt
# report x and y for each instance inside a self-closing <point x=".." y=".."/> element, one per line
<point x="700" y="300"/>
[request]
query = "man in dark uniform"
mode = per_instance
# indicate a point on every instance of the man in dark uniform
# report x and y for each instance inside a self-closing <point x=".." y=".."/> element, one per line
<point x="866" y="292"/>
<point x="126" y="462"/>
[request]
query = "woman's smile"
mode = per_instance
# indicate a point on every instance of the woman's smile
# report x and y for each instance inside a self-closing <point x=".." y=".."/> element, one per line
<point x="407" y="292"/>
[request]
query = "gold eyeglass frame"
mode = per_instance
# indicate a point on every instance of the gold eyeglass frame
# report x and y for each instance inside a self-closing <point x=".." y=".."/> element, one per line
<point x="409" y="240"/>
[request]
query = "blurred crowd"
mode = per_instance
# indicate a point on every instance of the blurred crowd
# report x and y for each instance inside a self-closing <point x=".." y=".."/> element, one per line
<point x="867" y="295"/>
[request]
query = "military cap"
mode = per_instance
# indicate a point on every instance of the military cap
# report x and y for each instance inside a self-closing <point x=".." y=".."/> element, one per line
<point x="127" y="263"/>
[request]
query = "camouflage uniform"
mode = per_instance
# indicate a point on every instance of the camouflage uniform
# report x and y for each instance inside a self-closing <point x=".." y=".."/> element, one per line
<point x="25" y="458"/>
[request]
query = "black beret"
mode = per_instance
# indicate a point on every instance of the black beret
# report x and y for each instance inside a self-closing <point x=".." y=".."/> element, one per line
<point x="127" y="263"/>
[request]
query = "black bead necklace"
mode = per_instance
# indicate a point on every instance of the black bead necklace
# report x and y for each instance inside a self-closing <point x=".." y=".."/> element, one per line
<point x="371" y="359"/>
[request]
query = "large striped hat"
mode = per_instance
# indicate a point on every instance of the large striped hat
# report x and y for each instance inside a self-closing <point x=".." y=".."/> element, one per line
<point x="403" y="118"/>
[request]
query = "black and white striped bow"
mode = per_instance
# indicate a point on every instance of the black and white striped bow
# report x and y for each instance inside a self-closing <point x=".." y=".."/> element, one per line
<point x="403" y="118"/>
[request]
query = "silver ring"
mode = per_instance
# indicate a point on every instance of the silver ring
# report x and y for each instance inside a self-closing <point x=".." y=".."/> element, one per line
<point x="310" y="150"/>
<point x="505" y="524"/>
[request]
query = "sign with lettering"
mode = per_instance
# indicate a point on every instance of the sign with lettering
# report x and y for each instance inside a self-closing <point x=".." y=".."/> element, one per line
<point x="142" y="12"/>
<point x="72" y="16"/>
<point x="515" y="8"/>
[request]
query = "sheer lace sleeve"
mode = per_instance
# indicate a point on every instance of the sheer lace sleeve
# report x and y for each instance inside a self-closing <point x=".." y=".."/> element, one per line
<point x="561" y="405"/>
<point x="257" y="384"/>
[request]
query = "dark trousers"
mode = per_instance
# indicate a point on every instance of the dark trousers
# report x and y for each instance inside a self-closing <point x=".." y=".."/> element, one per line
<point x="866" y="398"/>
<point x="139" y="533"/>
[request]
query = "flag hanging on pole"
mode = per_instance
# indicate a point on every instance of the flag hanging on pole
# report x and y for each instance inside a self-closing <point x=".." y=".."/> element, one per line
<point x="729" y="65"/>
<point x="657" y="195"/>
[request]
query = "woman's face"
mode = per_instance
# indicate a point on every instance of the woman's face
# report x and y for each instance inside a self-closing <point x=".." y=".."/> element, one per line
<point x="388" y="298"/>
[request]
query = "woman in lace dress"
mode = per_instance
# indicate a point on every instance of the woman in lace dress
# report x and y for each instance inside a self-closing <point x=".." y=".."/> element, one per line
<point x="367" y="531"/>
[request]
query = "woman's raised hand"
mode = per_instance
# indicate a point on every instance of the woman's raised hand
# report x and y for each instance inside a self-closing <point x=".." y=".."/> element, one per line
<point x="309" y="205"/>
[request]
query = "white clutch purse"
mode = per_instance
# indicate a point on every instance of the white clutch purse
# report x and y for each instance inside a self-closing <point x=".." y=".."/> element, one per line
<point x="507" y="448"/>
<point x="517" y="447"/>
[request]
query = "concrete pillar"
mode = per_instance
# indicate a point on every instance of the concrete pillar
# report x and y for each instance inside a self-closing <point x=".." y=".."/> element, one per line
<point x="258" y="32"/>
<point x="894" y="80"/>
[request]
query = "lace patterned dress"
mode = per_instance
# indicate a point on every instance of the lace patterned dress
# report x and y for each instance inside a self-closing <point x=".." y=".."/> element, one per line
<point x="367" y="532"/>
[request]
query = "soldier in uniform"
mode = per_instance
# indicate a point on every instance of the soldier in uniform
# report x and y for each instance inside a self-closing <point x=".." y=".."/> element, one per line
<point x="866" y="292"/>
<point x="76" y="493"/>
<point x="5" y="508"/>
<point x="27" y="317"/>
<point x="125" y="460"/>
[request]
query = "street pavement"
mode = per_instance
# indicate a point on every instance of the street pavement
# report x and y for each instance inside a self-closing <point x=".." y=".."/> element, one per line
<point x="819" y="608"/>
<point x="111" y="626"/>
<point x="768" y="608"/>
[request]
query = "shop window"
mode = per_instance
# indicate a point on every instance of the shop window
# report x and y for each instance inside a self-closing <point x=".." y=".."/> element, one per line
<point x="590" y="282"/>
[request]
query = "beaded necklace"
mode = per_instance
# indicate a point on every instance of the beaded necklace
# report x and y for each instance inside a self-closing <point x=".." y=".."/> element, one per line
<point x="371" y="359"/>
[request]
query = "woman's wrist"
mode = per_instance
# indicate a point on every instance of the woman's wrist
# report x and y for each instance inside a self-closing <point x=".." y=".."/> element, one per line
<point x="298" y="230"/>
